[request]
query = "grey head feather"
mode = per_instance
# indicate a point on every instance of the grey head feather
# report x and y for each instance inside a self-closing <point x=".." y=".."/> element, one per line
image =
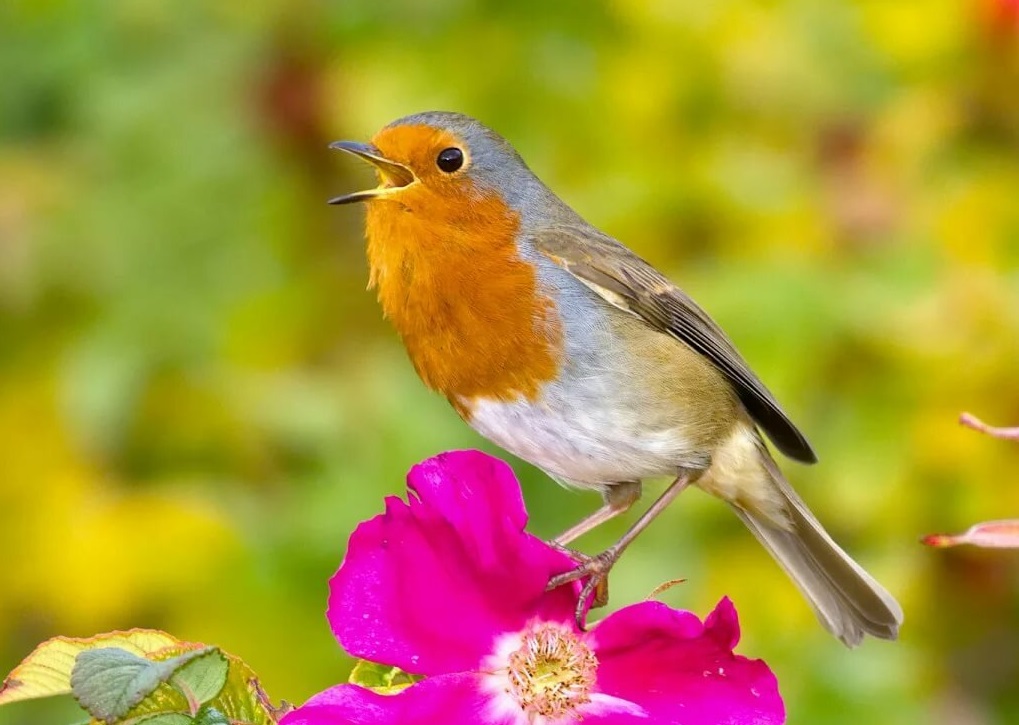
<point x="495" y="165"/>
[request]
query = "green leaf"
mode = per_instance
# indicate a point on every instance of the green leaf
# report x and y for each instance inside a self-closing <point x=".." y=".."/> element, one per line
<point x="167" y="718"/>
<point x="109" y="681"/>
<point x="202" y="678"/>
<point x="382" y="679"/>
<point x="47" y="671"/>
<point x="210" y="716"/>
<point x="240" y="699"/>
<point x="173" y="680"/>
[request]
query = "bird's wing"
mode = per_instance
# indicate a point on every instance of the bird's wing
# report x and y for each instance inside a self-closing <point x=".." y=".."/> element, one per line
<point x="626" y="281"/>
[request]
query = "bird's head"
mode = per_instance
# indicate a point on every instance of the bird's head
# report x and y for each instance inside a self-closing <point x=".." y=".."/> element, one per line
<point x="443" y="166"/>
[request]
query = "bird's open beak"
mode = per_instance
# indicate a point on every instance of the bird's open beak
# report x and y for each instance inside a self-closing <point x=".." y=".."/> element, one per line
<point x="394" y="175"/>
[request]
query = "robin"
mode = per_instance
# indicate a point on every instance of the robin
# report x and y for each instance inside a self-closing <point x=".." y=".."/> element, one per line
<point x="562" y="346"/>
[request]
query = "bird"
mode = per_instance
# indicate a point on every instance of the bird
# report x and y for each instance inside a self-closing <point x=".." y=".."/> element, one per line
<point x="564" y="347"/>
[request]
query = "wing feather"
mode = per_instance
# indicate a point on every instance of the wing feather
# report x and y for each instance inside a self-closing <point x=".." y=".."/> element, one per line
<point x="629" y="283"/>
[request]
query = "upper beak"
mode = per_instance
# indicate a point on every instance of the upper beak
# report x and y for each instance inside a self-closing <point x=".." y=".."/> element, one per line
<point x="394" y="175"/>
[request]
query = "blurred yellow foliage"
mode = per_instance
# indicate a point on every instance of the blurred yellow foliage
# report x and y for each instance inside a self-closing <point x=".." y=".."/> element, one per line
<point x="75" y="537"/>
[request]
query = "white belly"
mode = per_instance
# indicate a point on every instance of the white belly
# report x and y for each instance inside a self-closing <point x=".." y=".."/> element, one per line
<point x="590" y="448"/>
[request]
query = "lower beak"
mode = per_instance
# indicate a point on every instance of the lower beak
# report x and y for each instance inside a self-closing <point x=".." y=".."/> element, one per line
<point x="392" y="174"/>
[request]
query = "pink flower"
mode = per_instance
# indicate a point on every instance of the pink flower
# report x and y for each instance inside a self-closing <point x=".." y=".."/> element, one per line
<point x="450" y="586"/>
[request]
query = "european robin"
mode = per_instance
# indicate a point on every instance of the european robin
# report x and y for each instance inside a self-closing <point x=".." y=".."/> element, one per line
<point x="565" y="348"/>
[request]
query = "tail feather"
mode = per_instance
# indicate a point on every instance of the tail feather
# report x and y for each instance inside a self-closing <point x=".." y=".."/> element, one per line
<point x="848" y="601"/>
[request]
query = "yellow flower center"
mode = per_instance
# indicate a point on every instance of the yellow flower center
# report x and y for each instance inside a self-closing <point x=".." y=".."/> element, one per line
<point x="552" y="672"/>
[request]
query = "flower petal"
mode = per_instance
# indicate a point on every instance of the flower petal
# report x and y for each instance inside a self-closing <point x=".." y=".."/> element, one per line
<point x="443" y="699"/>
<point x="609" y="710"/>
<point x="344" y="705"/>
<point x="678" y="669"/>
<point x="428" y="585"/>
<point x="971" y="421"/>
<point x="477" y="494"/>
<point x="1002" y="534"/>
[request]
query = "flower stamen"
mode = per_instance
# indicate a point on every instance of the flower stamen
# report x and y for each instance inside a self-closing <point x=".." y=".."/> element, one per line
<point x="553" y="671"/>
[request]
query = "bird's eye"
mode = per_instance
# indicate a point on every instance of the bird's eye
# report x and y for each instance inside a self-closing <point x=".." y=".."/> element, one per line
<point x="449" y="160"/>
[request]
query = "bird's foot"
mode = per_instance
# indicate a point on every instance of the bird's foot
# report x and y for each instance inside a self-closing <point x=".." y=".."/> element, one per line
<point x="595" y="569"/>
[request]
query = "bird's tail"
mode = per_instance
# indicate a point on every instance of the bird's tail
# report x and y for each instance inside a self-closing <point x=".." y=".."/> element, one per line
<point x="848" y="601"/>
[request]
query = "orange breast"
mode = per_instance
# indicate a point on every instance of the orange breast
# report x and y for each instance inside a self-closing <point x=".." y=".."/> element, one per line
<point x="469" y="310"/>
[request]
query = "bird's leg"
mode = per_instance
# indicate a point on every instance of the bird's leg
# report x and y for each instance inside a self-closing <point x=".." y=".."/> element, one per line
<point x="596" y="568"/>
<point x="618" y="499"/>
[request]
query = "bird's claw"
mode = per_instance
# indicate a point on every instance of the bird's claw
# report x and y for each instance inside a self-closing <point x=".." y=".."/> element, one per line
<point x="593" y="568"/>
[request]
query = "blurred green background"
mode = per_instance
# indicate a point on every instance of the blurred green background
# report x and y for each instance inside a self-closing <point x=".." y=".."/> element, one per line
<point x="199" y="399"/>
